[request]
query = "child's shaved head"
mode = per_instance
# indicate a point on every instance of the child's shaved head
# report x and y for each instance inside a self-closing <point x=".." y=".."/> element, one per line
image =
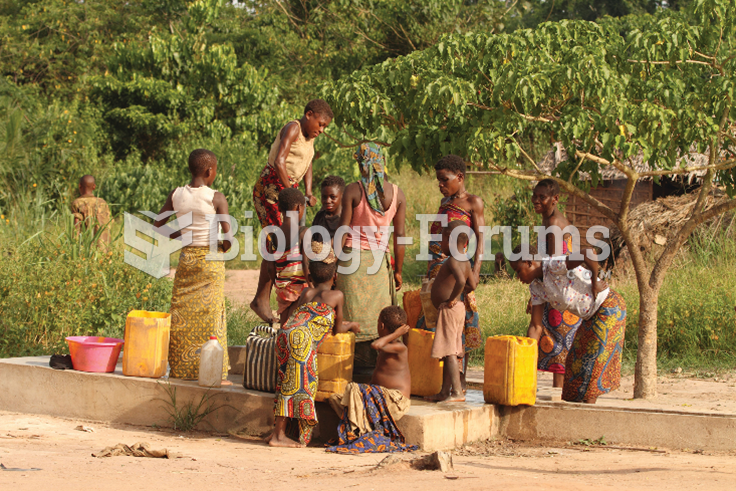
<point x="200" y="160"/>
<point x="453" y="163"/>
<point x="550" y="187"/>
<point x="87" y="182"/>
<point x="392" y="318"/>
<point x="290" y="199"/>
<point x="319" y="107"/>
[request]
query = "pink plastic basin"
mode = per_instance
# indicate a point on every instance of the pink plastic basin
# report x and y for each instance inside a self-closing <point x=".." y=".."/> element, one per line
<point x="94" y="353"/>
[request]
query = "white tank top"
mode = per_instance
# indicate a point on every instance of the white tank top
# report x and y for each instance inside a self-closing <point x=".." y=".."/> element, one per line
<point x="198" y="201"/>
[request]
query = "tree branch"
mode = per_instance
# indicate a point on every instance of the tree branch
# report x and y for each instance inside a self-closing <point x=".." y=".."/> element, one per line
<point x="726" y="164"/>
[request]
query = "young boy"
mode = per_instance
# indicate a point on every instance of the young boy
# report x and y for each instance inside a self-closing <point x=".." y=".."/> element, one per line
<point x="593" y="365"/>
<point x="318" y="311"/>
<point x="288" y="270"/>
<point x="329" y="216"/>
<point x="198" y="298"/>
<point x="363" y="431"/>
<point x="453" y="277"/>
<point x="462" y="206"/>
<point x="90" y="211"/>
<point x="555" y="334"/>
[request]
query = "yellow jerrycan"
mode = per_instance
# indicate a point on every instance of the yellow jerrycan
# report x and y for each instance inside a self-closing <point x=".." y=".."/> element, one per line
<point x="426" y="372"/>
<point x="334" y="364"/>
<point x="146" y="350"/>
<point x="510" y="377"/>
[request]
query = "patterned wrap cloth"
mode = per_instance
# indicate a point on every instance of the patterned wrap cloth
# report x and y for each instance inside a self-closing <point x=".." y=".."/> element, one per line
<point x="593" y="364"/>
<point x="372" y="172"/>
<point x="559" y="330"/>
<point x="197" y="311"/>
<point x="266" y="197"/>
<point x="377" y="408"/>
<point x="94" y="212"/>
<point x="296" y="353"/>
<point x="472" y="338"/>
<point x="290" y="278"/>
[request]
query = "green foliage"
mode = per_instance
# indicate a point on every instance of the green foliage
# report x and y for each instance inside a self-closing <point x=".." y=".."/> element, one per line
<point x="186" y="417"/>
<point x="56" y="284"/>
<point x="517" y="211"/>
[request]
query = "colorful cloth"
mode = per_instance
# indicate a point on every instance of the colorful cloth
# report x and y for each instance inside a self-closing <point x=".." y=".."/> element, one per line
<point x="372" y="171"/>
<point x="559" y="330"/>
<point x="384" y="436"/>
<point x="448" y="338"/>
<point x="94" y="212"/>
<point x="266" y="197"/>
<point x="366" y="295"/>
<point x="472" y="337"/>
<point x="290" y="278"/>
<point x="296" y="352"/>
<point x="593" y="365"/>
<point x="197" y="311"/>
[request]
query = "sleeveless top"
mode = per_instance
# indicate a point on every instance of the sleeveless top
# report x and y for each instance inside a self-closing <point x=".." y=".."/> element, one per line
<point x="300" y="155"/>
<point x="363" y="215"/>
<point x="198" y="201"/>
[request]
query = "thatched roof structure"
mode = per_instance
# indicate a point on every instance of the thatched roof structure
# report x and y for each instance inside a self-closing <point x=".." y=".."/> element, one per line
<point x="558" y="154"/>
<point x="654" y="222"/>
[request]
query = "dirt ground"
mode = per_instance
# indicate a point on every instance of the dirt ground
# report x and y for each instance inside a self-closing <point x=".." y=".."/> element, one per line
<point x="40" y="452"/>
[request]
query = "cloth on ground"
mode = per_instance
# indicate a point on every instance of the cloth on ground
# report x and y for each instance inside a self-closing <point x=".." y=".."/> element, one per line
<point x="448" y="337"/>
<point x="141" y="449"/>
<point x="368" y="422"/>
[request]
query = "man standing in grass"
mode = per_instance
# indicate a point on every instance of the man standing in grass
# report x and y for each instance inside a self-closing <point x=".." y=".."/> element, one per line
<point x="90" y="211"/>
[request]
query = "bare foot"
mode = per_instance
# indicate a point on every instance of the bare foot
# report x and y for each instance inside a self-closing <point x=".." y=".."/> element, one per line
<point x="269" y="438"/>
<point x="262" y="310"/>
<point x="275" y="441"/>
<point x="226" y="382"/>
<point x="437" y="397"/>
<point x="590" y="401"/>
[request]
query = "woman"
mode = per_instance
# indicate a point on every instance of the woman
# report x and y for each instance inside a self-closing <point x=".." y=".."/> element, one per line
<point x="371" y="202"/>
<point x="289" y="161"/>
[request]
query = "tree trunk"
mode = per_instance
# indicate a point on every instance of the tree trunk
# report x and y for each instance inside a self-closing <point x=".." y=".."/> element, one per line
<point x="645" y="380"/>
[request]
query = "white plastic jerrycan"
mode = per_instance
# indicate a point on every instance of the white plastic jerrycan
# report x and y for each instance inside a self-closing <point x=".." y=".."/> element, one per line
<point x="210" y="363"/>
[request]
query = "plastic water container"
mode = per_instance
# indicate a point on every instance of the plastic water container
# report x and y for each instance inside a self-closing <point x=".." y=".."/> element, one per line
<point x="146" y="344"/>
<point x="510" y="377"/>
<point x="335" y="364"/>
<point x="94" y="353"/>
<point x="210" y="363"/>
<point x="426" y="372"/>
<point x="412" y="307"/>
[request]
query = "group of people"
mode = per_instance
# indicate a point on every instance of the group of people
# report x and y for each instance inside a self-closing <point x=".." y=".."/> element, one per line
<point x="577" y="320"/>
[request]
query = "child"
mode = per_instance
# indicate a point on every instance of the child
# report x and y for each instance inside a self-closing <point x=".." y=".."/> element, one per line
<point x="289" y="162"/>
<point x="90" y="211"/>
<point x="198" y="298"/>
<point x="593" y="365"/>
<point x="329" y="216"/>
<point x="364" y="430"/>
<point x="557" y="331"/>
<point x="319" y="311"/>
<point x="289" y="269"/>
<point x="453" y="277"/>
<point x="467" y="208"/>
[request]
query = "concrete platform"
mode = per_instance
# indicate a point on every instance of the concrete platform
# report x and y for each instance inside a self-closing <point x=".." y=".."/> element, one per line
<point x="29" y="385"/>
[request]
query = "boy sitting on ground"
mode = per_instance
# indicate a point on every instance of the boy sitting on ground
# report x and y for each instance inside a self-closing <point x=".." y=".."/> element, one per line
<point x="369" y="412"/>
<point x="449" y="284"/>
<point x="90" y="211"/>
<point x="329" y="216"/>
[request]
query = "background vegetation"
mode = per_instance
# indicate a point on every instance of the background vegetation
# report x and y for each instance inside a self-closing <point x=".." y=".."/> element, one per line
<point x="125" y="91"/>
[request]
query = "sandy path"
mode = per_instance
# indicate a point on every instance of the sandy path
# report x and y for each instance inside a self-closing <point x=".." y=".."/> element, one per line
<point x="64" y="457"/>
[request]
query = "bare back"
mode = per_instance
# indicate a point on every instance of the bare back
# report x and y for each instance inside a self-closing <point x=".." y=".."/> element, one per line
<point x="392" y="369"/>
<point x="450" y="281"/>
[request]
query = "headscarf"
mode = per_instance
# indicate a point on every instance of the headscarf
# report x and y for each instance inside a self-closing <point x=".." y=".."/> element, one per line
<point x="372" y="171"/>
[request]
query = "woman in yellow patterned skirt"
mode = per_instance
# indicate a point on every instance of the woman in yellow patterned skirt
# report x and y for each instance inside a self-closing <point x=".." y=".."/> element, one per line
<point x="198" y="298"/>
